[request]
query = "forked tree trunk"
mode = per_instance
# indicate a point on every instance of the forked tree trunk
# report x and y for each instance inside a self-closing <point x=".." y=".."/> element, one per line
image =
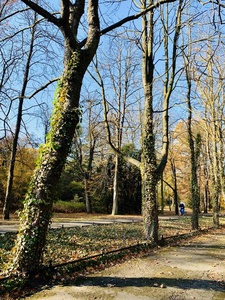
<point x="195" y="196"/>
<point x="151" y="172"/>
<point x="148" y="170"/>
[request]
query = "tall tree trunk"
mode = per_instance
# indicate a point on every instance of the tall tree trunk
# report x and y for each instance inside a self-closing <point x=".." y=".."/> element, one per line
<point x="162" y="195"/>
<point x="195" y="196"/>
<point x="174" y="174"/>
<point x="87" y="173"/>
<point x="215" y="195"/>
<point x="206" y="188"/>
<point x="216" y="183"/>
<point x="115" y="187"/>
<point x="150" y="171"/>
<point x="87" y="193"/>
<point x="149" y="176"/>
<point x="150" y="206"/>
<point x="175" y="194"/>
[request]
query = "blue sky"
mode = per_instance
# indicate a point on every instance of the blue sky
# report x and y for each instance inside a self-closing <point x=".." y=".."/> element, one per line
<point x="47" y="63"/>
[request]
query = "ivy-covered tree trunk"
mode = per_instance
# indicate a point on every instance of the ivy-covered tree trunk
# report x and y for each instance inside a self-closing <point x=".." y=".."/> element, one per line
<point x="149" y="175"/>
<point x="35" y="217"/>
<point x="149" y="203"/>
<point x="36" y="214"/>
<point x="149" y="178"/>
<point x="195" y="153"/>
<point x="151" y="171"/>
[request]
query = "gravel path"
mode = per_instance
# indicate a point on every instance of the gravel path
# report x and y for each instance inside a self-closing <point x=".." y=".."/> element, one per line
<point x="194" y="270"/>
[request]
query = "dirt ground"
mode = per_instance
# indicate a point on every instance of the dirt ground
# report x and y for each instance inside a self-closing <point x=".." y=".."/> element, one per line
<point x="193" y="270"/>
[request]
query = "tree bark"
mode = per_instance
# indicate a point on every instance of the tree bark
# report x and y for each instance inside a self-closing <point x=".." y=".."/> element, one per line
<point x="162" y="195"/>
<point x="149" y="176"/>
<point x="174" y="172"/>
<point x="87" y="173"/>
<point x="151" y="171"/>
<point x="216" y="183"/>
<point x="87" y="193"/>
<point x="115" y="187"/>
<point x="195" y="195"/>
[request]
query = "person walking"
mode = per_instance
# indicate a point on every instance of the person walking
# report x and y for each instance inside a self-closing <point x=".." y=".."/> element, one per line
<point x="182" y="207"/>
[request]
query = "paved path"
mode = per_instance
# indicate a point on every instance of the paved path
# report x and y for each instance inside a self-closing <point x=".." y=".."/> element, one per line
<point x="14" y="227"/>
<point x="194" y="270"/>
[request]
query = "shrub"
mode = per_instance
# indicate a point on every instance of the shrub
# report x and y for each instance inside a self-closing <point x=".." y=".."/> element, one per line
<point x="68" y="207"/>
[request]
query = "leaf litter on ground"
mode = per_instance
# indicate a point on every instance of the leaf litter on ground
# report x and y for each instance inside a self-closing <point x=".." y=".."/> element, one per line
<point x="69" y="244"/>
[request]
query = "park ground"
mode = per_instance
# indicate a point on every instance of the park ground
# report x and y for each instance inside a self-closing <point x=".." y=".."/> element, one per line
<point x="193" y="270"/>
<point x="189" y="269"/>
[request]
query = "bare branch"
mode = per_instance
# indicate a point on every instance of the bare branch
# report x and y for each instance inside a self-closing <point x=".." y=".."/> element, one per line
<point x="14" y="13"/>
<point x="44" y="13"/>
<point x="131" y="160"/>
<point x="43" y="87"/>
<point x="130" y="18"/>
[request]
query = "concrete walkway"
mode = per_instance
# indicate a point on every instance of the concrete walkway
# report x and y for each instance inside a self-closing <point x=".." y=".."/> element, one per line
<point x="14" y="227"/>
<point x="67" y="224"/>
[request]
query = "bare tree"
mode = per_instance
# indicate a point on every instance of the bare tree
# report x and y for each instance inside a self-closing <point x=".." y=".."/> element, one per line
<point x="150" y="170"/>
<point x="211" y="90"/>
<point x="18" y="124"/>
<point x="194" y="147"/>
<point x="121" y="68"/>
<point x="86" y="157"/>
